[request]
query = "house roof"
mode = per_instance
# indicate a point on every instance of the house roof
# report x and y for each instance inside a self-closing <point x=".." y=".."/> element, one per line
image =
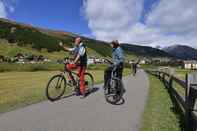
<point x="190" y="62"/>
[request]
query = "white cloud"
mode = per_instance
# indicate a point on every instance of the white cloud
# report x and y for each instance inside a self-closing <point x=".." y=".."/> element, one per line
<point x="169" y="22"/>
<point x="6" y="7"/>
<point x="177" y="16"/>
<point x="3" y="13"/>
<point x="109" y="19"/>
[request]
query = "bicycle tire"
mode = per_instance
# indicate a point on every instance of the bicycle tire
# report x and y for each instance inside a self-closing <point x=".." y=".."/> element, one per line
<point x="59" y="95"/>
<point x="111" y="93"/>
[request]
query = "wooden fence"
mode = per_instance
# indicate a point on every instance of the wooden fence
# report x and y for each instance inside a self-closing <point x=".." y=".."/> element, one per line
<point x="186" y="100"/>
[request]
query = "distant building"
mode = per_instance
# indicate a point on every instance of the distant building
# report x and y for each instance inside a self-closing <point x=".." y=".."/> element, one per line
<point x="90" y="61"/>
<point x="142" y="62"/>
<point x="19" y="57"/>
<point x="94" y="60"/>
<point x="13" y="29"/>
<point x="190" y="65"/>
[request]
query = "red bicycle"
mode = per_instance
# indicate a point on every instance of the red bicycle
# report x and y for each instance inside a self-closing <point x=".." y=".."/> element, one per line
<point x="58" y="84"/>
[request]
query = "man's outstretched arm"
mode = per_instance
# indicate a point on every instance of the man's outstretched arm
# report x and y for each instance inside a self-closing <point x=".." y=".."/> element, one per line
<point x="66" y="48"/>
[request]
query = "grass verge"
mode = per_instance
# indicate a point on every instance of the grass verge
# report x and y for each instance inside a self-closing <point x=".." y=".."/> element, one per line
<point x="160" y="113"/>
<point x="19" y="89"/>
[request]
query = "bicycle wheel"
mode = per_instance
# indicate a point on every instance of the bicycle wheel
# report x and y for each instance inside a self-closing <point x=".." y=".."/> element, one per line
<point x="56" y="87"/>
<point x="89" y="82"/>
<point x="113" y="92"/>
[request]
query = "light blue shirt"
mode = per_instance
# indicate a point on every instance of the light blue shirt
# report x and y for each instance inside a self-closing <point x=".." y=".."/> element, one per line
<point x="118" y="56"/>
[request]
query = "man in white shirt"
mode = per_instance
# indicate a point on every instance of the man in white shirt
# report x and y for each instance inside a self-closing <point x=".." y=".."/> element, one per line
<point x="80" y="61"/>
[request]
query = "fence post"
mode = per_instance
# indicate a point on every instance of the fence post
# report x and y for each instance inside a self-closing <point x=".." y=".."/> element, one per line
<point x="163" y="77"/>
<point x="171" y="82"/>
<point x="159" y="75"/>
<point x="190" y="97"/>
<point x="187" y="113"/>
<point x="171" y="78"/>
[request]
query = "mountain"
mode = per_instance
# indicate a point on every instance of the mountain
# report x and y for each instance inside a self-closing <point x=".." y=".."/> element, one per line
<point x="25" y="35"/>
<point x="182" y="52"/>
<point x="145" y="51"/>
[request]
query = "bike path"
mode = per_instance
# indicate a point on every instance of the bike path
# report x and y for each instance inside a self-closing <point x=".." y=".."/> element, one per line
<point x="90" y="114"/>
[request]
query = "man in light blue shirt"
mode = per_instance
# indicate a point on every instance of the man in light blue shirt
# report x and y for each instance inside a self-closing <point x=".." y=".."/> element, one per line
<point x="118" y="60"/>
<point x="117" y="54"/>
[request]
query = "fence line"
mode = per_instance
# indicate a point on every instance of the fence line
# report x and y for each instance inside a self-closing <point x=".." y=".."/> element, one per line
<point x="186" y="102"/>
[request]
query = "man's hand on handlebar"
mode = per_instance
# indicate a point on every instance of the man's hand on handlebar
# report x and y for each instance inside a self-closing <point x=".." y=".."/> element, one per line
<point x="108" y="61"/>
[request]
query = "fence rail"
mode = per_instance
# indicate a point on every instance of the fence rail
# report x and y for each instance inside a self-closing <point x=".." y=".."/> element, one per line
<point x="186" y="102"/>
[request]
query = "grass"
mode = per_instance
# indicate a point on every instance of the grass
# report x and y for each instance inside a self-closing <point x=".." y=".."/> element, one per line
<point x="11" y="50"/>
<point x="159" y="114"/>
<point x="9" y="67"/>
<point x="180" y="73"/>
<point x="19" y="89"/>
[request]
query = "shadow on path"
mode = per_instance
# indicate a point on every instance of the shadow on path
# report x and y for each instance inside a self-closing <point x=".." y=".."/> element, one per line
<point x="94" y="90"/>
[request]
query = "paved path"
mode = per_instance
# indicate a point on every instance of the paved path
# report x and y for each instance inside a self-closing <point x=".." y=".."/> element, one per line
<point x="90" y="114"/>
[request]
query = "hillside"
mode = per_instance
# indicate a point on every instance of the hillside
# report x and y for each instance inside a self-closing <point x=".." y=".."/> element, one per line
<point x="182" y="52"/>
<point x="38" y="39"/>
<point x="145" y="51"/>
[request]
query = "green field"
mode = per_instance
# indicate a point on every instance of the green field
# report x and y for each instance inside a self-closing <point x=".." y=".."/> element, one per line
<point x="10" y="50"/>
<point x="19" y="89"/>
<point x="159" y="114"/>
<point x="180" y="73"/>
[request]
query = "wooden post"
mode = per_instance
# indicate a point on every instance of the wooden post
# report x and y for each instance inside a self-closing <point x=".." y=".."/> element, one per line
<point x="190" y="96"/>
<point x="187" y="105"/>
<point x="159" y="75"/>
<point x="162" y="77"/>
<point x="171" y="77"/>
<point x="171" y="82"/>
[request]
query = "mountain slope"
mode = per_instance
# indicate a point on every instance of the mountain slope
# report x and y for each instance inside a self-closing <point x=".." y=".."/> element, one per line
<point x="145" y="51"/>
<point x="182" y="52"/>
<point x="38" y="39"/>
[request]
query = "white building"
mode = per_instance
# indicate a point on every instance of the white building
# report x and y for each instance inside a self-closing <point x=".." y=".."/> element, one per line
<point x="91" y="61"/>
<point x="190" y="64"/>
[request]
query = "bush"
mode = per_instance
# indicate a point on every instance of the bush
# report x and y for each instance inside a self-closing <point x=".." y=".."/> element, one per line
<point x="5" y="67"/>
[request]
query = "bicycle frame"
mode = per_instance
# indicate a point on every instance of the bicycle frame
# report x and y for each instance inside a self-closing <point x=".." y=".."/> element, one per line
<point x="114" y="74"/>
<point x="68" y="72"/>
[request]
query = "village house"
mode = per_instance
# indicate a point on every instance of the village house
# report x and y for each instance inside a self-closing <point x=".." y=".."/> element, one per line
<point x="142" y="62"/>
<point x="19" y="58"/>
<point x="94" y="60"/>
<point x="190" y="65"/>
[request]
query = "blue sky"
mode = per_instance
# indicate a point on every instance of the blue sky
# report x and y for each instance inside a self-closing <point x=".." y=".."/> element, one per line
<point x="143" y="22"/>
<point x="59" y="15"/>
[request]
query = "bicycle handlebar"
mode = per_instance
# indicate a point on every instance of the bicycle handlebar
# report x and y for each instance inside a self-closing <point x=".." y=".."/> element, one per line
<point x="108" y="61"/>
